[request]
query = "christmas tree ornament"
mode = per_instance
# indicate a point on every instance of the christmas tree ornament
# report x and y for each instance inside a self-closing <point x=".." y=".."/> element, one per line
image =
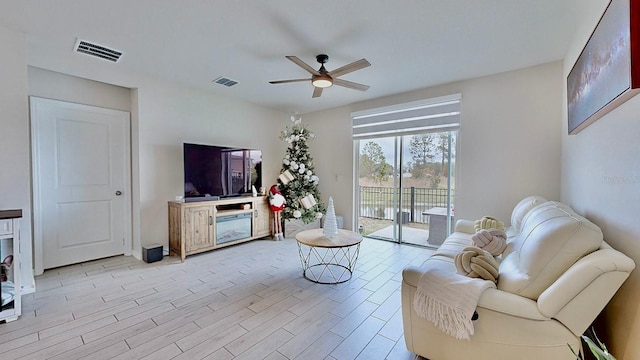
<point x="330" y="226"/>
<point x="285" y="177"/>
<point x="308" y="201"/>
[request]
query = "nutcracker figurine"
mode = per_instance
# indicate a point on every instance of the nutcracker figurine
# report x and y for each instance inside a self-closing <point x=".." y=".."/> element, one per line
<point x="276" y="204"/>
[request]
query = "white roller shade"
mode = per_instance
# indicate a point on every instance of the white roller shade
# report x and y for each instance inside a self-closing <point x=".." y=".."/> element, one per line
<point x="430" y="115"/>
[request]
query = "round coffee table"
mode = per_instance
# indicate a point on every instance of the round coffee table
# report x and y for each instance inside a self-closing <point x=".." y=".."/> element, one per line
<point x="328" y="260"/>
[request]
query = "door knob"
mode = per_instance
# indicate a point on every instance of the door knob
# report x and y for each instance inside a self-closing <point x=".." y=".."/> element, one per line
<point x="118" y="193"/>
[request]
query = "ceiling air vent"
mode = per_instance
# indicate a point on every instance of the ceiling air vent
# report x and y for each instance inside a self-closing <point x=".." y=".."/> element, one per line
<point x="225" y="81"/>
<point x="96" y="50"/>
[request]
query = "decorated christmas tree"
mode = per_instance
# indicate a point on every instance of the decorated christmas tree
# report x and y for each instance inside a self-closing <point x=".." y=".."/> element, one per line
<point x="298" y="182"/>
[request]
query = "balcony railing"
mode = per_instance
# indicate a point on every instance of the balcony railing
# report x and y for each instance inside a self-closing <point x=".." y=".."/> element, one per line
<point x="377" y="202"/>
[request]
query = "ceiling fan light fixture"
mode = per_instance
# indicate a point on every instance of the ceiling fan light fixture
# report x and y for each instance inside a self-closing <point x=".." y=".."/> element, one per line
<point x="322" y="81"/>
<point x="321" y="78"/>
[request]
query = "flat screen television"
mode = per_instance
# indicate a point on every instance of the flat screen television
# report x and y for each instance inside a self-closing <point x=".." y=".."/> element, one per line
<point x="214" y="172"/>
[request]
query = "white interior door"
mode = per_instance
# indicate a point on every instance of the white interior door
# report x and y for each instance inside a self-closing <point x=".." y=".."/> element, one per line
<point x="81" y="162"/>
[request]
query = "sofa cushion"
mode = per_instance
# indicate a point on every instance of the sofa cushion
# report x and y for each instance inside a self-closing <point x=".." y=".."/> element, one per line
<point x="454" y="244"/>
<point x="552" y="238"/>
<point x="522" y="208"/>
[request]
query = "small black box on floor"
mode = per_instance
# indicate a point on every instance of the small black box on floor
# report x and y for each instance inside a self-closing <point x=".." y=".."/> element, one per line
<point x="152" y="253"/>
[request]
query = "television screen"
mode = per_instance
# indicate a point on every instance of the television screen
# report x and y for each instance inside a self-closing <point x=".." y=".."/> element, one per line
<point x="220" y="171"/>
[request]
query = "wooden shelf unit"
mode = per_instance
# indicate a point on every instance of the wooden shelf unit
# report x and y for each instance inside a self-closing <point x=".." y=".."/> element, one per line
<point x="10" y="246"/>
<point x="192" y="226"/>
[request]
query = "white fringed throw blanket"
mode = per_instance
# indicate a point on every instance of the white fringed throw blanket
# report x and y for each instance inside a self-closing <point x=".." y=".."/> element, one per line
<point x="448" y="300"/>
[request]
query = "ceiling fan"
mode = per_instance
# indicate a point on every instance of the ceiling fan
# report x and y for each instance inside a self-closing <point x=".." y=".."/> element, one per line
<point x="322" y="78"/>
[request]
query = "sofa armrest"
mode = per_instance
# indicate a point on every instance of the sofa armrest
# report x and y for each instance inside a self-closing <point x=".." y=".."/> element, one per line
<point x="588" y="272"/>
<point x="465" y="226"/>
<point x="510" y="304"/>
<point x="491" y="299"/>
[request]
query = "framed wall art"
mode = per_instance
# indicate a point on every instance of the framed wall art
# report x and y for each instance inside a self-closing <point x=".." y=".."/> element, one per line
<point x="607" y="72"/>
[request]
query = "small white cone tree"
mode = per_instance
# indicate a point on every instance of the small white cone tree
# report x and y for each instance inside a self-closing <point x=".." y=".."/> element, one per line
<point x="330" y="226"/>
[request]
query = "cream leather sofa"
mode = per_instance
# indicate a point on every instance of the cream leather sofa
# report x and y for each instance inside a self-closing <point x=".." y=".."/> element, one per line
<point x="556" y="275"/>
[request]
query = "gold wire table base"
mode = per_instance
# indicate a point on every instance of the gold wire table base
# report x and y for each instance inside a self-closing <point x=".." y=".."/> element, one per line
<point x="328" y="265"/>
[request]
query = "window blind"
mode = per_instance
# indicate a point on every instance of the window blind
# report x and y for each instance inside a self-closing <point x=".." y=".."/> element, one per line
<point x="429" y="115"/>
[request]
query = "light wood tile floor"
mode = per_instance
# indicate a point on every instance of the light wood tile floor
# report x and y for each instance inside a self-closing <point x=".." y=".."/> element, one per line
<point x="248" y="301"/>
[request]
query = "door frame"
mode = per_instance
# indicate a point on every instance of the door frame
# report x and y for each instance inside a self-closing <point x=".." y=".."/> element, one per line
<point x="38" y="245"/>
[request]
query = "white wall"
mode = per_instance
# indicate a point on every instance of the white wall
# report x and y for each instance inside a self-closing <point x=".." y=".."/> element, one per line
<point x="54" y="85"/>
<point x="332" y="152"/>
<point x="169" y="116"/>
<point x="509" y="141"/>
<point x="601" y="180"/>
<point x="15" y="173"/>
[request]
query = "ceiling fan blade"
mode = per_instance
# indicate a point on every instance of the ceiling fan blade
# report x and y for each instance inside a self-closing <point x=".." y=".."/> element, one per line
<point x="288" y="81"/>
<point x="317" y="92"/>
<point x="303" y="65"/>
<point x="356" y="65"/>
<point x="350" y="84"/>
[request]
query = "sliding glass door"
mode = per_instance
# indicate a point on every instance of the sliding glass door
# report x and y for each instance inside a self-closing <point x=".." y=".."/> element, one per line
<point x="377" y="184"/>
<point x="405" y="187"/>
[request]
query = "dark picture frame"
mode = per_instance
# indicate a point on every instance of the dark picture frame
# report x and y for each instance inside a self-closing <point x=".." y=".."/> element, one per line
<point x="607" y="72"/>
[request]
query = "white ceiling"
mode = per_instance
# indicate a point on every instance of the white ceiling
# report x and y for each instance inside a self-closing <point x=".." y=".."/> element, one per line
<point x="411" y="44"/>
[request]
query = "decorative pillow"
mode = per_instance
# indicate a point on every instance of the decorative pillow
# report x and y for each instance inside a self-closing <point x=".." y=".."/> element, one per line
<point x="488" y="222"/>
<point x="493" y="240"/>
<point x="477" y="263"/>
<point x="8" y="292"/>
<point x="4" y="267"/>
